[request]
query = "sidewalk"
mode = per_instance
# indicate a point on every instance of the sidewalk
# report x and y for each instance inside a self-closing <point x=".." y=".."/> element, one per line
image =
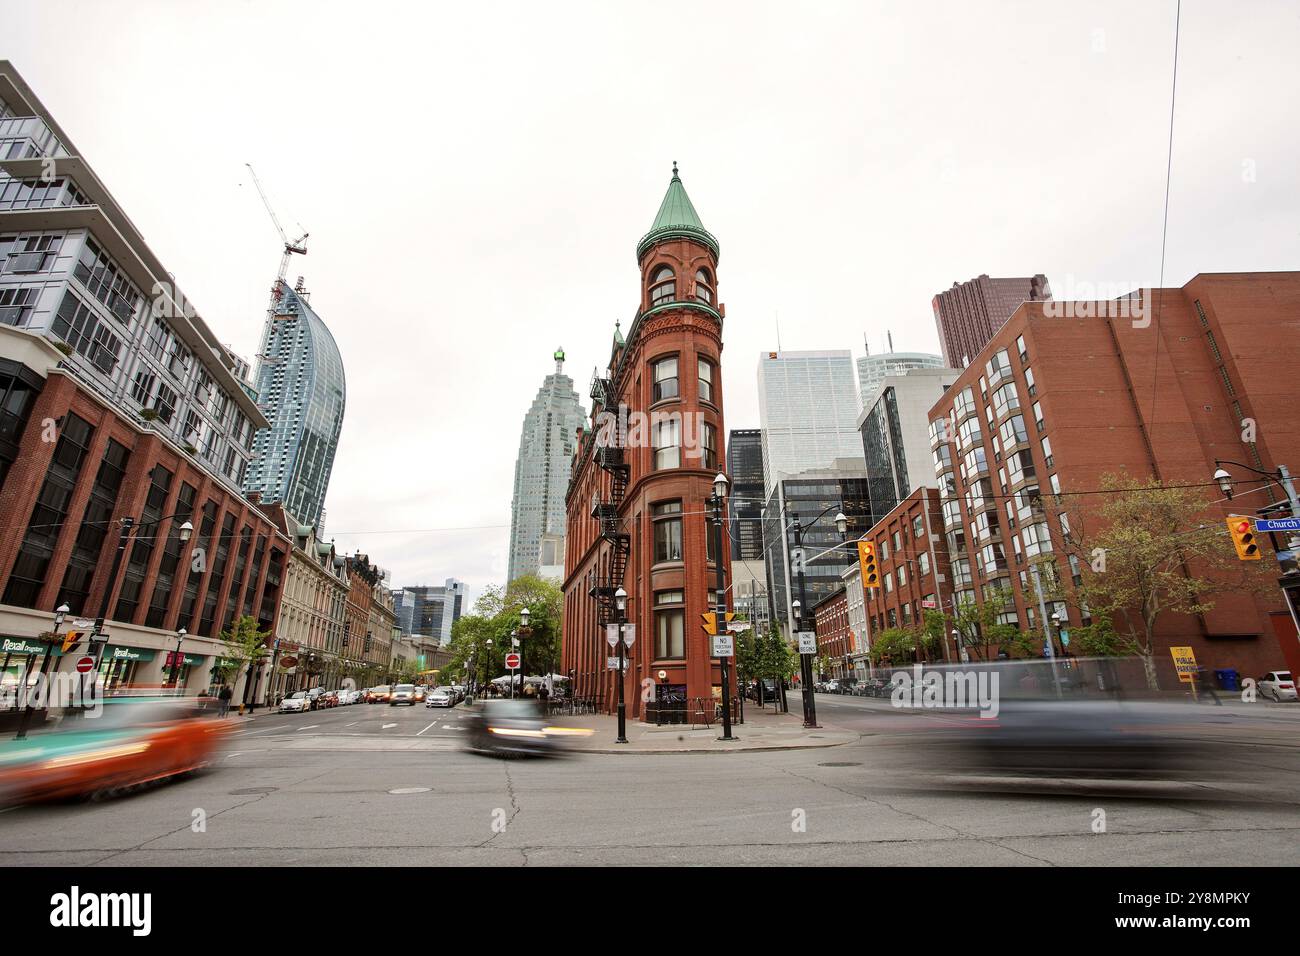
<point x="761" y="731"/>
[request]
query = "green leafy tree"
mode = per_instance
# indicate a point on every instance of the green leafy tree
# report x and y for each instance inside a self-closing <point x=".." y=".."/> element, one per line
<point x="245" y="647"/>
<point x="977" y="625"/>
<point x="1147" y="550"/>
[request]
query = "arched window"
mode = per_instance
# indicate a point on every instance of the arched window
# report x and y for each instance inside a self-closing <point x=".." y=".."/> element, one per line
<point x="663" y="286"/>
<point x="704" y="287"/>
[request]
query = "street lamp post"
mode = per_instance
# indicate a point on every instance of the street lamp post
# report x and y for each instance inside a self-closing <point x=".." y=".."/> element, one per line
<point x="805" y="673"/>
<point x="620" y="618"/>
<point x="59" y="613"/>
<point x="523" y="631"/>
<point x="176" y="658"/>
<point x="720" y="595"/>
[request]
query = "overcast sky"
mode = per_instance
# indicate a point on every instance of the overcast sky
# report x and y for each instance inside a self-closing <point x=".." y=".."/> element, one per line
<point x="475" y="177"/>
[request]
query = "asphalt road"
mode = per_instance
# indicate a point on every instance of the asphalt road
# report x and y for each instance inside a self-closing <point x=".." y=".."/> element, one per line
<point x="380" y="785"/>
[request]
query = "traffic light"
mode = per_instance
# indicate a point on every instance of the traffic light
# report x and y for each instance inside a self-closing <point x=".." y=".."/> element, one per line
<point x="71" y="640"/>
<point x="867" y="558"/>
<point x="1243" y="538"/>
<point x="710" y="619"/>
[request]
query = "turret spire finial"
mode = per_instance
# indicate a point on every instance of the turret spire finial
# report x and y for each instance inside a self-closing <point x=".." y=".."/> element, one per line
<point x="674" y="169"/>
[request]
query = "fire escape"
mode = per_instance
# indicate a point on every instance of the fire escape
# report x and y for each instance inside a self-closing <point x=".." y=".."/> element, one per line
<point x="610" y="458"/>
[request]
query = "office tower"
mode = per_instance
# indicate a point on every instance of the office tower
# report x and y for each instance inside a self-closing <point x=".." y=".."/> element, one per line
<point x="895" y="433"/>
<point x="429" y="610"/>
<point x="872" y="369"/>
<point x="546" y="444"/>
<point x="968" y="314"/>
<point x="808" y="405"/>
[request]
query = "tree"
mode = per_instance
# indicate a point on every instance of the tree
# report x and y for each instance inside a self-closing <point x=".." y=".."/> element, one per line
<point x="977" y="625"/>
<point x="1157" y="550"/>
<point x="245" y="644"/>
<point x="496" y="615"/>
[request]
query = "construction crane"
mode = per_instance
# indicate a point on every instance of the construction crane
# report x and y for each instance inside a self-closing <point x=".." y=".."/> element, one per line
<point x="296" y="247"/>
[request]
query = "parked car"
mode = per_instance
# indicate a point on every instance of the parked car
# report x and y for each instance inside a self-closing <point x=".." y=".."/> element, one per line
<point x="830" y="687"/>
<point x="296" y="703"/>
<point x="441" y="697"/>
<point x="378" y="695"/>
<point x="1277" y="685"/>
<point x="460" y="690"/>
<point x="354" y="697"/>
<point x="420" y="692"/>
<point x="314" y="695"/>
<point x="402" y="694"/>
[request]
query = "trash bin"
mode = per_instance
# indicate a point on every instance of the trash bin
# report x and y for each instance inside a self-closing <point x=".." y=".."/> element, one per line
<point x="1228" y="679"/>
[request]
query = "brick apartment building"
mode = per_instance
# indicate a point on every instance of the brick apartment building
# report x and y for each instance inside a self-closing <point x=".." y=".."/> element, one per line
<point x="1067" y="392"/>
<point x="636" y="503"/>
<point x="912" y="560"/>
<point x="969" y="313"/>
<point x="834" y="640"/>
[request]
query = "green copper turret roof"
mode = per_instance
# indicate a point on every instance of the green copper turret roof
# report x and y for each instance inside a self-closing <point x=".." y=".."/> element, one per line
<point x="677" y="219"/>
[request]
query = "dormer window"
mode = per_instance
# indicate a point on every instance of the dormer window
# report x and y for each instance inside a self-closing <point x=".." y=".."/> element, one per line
<point x="663" y="287"/>
<point x="704" y="287"/>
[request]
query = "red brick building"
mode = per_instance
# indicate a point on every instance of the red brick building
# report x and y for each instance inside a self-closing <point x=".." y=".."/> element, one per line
<point x="71" y="467"/>
<point x="1161" y="385"/>
<point x="834" y="642"/>
<point x="637" y="516"/>
<point x="912" y="559"/>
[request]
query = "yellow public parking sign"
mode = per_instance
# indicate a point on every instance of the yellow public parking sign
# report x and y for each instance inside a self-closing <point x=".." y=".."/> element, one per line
<point x="710" y="619"/>
<point x="1184" y="663"/>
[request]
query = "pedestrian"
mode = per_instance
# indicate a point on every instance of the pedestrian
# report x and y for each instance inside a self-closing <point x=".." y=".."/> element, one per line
<point x="1205" y="686"/>
<point x="223" y="699"/>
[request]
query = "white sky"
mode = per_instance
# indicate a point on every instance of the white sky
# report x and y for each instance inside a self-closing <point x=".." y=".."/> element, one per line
<point x="475" y="177"/>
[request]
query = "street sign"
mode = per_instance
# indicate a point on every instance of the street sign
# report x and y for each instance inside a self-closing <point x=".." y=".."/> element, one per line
<point x="611" y="635"/>
<point x="629" y="634"/>
<point x="929" y="603"/>
<point x="611" y="663"/>
<point x="807" y="642"/>
<point x="71" y="640"/>
<point x="512" y="661"/>
<point x="1277" y="524"/>
<point x="1184" y="663"/>
<point x="1065" y="638"/>
<point x="83" y="623"/>
<point x="85" y="665"/>
<point x="723" y="645"/>
<point x="289" y="662"/>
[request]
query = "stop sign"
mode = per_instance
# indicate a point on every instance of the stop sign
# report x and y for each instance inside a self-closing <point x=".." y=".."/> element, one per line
<point x="85" y="665"/>
<point x="512" y="661"/>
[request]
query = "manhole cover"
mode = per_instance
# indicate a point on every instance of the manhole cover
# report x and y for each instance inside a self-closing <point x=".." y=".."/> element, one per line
<point x="411" y="790"/>
<point x="846" y="763"/>
<point x="253" y="790"/>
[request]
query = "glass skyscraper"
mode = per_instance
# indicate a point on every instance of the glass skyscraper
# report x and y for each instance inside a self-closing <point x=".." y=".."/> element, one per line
<point x="872" y="369"/>
<point x="546" y="445"/>
<point x="301" y="388"/>
<point x="430" y="610"/>
<point x="808" y="408"/>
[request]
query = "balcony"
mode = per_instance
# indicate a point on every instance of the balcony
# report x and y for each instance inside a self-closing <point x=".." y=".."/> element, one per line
<point x="25" y="137"/>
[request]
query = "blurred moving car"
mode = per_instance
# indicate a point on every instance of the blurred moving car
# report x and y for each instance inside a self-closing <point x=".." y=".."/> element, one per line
<point x="378" y="695"/>
<point x="328" y="699"/>
<point x="132" y="743"/>
<point x="441" y="697"/>
<point x="296" y="703"/>
<point x="420" y="693"/>
<point x="503" y="727"/>
<point x="402" y="694"/>
<point x="1277" y="685"/>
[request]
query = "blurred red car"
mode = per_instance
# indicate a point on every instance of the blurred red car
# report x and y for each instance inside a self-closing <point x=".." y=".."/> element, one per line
<point x="131" y="743"/>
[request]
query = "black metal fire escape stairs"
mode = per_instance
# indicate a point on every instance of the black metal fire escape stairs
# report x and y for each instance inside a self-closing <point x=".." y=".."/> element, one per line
<point x="610" y="458"/>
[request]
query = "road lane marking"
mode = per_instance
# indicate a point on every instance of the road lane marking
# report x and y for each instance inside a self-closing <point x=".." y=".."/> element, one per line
<point x="309" y="727"/>
<point x="430" y="727"/>
<point x="386" y="726"/>
<point x="353" y="724"/>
